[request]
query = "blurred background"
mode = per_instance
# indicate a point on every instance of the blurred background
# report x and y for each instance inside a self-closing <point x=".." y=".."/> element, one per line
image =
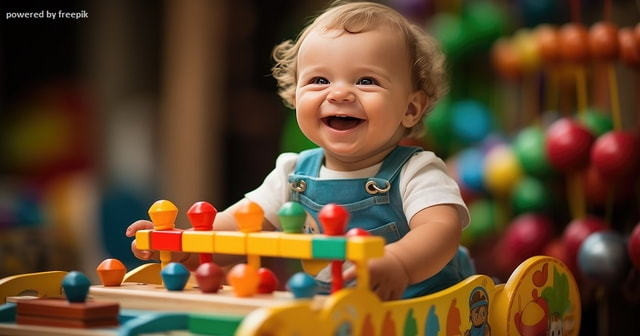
<point x="144" y="100"/>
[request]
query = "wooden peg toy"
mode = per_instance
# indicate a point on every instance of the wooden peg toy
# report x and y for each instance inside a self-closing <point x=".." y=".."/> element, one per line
<point x="74" y="312"/>
<point x="202" y="215"/>
<point x="163" y="215"/>
<point x="334" y="219"/>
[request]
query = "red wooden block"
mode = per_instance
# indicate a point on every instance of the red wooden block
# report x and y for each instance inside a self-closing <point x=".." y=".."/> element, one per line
<point x="62" y="313"/>
<point x="66" y="323"/>
<point x="169" y="240"/>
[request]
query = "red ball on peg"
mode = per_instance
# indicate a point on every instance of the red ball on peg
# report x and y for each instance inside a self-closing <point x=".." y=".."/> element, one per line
<point x="629" y="46"/>
<point x="334" y="219"/>
<point x="574" y="39"/>
<point x="568" y="145"/>
<point x="547" y="38"/>
<point x="506" y="60"/>
<point x="603" y="41"/>
<point x="616" y="155"/>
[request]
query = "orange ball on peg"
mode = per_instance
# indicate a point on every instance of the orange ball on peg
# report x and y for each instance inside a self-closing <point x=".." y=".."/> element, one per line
<point x="629" y="47"/>
<point x="548" y="43"/>
<point x="603" y="41"/>
<point x="505" y="59"/>
<point x="574" y="42"/>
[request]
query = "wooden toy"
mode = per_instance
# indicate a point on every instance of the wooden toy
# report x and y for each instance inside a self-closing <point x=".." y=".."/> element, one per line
<point x="209" y="277"/>
<point x="174" y="276"/>
<point x="74" y="312"/>
<point x="111" y="272"/>
<point x="541" y="295"/>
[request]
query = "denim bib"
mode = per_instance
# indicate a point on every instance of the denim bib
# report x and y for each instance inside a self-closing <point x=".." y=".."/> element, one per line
<point x="374" y="204"/>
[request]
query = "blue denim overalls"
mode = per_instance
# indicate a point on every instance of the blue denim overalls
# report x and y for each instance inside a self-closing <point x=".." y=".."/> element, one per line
<point x="374" y="204"/>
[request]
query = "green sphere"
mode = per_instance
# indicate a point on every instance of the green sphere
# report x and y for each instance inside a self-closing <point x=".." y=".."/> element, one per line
<point x="596" y="121"/>
<point x="530" y="195"/>
<point x="529" y="148"/>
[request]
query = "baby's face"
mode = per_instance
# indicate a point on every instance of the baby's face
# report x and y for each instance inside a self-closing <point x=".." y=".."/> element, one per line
<point x="353" y="94"/>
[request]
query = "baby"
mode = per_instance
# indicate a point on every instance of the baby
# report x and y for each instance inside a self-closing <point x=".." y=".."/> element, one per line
<point x="361" y="78"/>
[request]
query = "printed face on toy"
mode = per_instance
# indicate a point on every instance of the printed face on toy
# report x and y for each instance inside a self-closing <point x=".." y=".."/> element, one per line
<point x="479" y="315"/>
<point x="354" y="95"/>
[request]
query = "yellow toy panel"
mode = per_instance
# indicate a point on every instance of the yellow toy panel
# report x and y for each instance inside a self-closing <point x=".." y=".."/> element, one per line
<point x="475" y="306"/>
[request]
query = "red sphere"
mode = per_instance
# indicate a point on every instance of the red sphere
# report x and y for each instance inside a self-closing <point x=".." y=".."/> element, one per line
<point x="574" y="42"/>
<point x="634" y="247"/>
<point x="568" y="145"/>
<point x="575" y="233"/>
<point x="268" y="281"/>
<point x="555" y="248"/>
<point x="597" y="189"/>
<point x="603" y="41"/>
<point x="629" y="47"/>
<point x="358" y="232"/>
<point x="547" y="38"/>
<point x="209" y="277"/>
<point x="526" y="236"/>
<point x="616" y="155"/>
<point x="334" y="219"/>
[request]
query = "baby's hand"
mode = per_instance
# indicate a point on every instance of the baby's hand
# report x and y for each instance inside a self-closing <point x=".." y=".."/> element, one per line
<point x="181" y="257"/>
<point x="387" y="277"/>
<point x="131" y="232"/>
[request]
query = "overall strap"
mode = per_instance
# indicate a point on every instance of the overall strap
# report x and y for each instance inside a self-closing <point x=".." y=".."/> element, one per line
<point x="392" y="166"/>
<point x="309" y="162"/>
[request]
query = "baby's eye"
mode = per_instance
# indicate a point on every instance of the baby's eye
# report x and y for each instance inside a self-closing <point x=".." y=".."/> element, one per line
<point x="319" y="80"/>
<point x="367" y="81"/>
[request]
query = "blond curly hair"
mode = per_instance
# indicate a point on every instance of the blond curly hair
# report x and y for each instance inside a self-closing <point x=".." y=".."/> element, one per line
<point x="427" y="59"/>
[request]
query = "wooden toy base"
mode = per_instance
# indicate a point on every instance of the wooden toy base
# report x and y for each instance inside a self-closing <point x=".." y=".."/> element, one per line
<point x="156" y="298"/>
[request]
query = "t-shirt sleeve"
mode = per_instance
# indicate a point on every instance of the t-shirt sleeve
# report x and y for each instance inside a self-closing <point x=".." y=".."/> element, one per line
<point x="425" y="182"/>
<point x="274" y="190"/>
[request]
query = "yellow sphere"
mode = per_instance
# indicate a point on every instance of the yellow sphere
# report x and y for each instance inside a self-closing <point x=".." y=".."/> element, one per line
<point x="502" y="170"/>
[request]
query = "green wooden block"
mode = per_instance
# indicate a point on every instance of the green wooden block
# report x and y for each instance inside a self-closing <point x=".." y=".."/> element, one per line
<point x="327" y="247"/>
<point x="219" y="325"/>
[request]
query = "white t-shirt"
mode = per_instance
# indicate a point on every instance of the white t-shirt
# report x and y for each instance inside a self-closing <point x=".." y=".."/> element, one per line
<point x="424" y="182"/>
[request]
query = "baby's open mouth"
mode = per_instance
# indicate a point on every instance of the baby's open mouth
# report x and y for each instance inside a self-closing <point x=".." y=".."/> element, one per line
<point x="342" y="123"/>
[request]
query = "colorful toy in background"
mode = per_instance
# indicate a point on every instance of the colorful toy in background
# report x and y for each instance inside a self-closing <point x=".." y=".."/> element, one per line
<point x="544" y="148"/>
<point x="540" y="297"/>
<point x="539" y="134"/>
<point x="46" y="153"/>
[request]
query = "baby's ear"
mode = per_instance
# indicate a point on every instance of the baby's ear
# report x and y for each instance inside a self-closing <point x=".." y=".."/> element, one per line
<point x="415" y="109"/>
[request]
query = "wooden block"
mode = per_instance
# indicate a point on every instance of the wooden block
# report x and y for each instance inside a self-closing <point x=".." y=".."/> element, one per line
<point x="66" y="323"/>
<point x="296" y="246"/>
<point x="364" y="248"/>
<point x="231" y="242"/>
<point x="143" y="239"/>
<point x="65" y="309"/>
<point x="198" y="241"/>
<point x="329" y="247"/>
<point x="61" y="313"/>
<point x="265" y="244"/>
<point x="168" y="240"/>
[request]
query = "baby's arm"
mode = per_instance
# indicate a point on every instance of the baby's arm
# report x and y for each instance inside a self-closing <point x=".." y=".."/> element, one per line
<point x="225" y="221"/>
<point x="430" y="244"/>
